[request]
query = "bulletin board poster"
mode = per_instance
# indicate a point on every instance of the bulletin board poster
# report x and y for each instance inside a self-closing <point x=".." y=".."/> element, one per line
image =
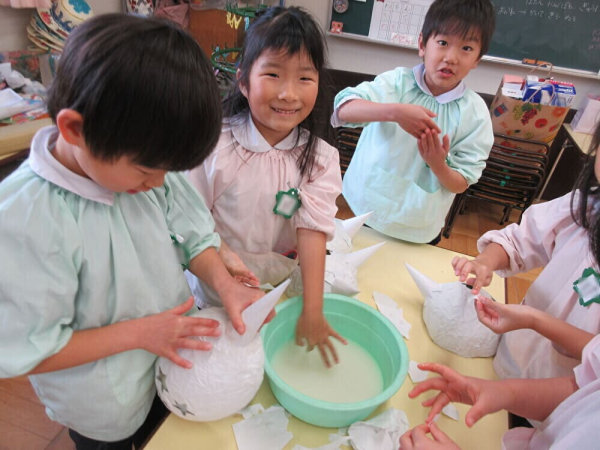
<point x="398" y="21"/>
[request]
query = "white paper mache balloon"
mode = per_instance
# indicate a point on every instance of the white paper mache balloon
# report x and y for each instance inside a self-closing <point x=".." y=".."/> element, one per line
<point x="451" y="318"/>
<point x="221" y="382"/>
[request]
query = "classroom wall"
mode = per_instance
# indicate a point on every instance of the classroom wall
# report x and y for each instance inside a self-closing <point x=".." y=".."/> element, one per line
<point x="373" y="58"/>
<point x="344" y="54"/>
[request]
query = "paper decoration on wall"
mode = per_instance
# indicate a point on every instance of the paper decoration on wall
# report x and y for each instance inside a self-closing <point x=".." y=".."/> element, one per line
<point x="336" y="27"/>
<point x="225" y="379"/>
<point x="341" y="272"/>
<point x="345" y="230"/>
<point x="451" y="319"/>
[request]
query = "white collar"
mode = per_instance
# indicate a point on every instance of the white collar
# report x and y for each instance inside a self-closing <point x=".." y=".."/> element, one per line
<point x="247" y="135"/>
<point x="46" y="166"/>
<point x="447" y="97"/>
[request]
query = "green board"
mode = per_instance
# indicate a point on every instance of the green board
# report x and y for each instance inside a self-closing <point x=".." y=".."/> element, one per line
<point x="564" y="33"/>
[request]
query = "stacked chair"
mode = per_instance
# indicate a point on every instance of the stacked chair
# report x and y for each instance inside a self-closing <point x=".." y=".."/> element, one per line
<point x="345" y="141"/>
<point x="512" y="178"/>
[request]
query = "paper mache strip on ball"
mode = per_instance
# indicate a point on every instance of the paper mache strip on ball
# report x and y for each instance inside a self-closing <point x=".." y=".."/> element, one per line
<point x="451" y="318"/>
<point x="225" y="379"/>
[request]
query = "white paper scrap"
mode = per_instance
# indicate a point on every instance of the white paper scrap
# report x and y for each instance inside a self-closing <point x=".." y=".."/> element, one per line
<point x="251" y="410"/>
<point x="416" y="375"/>
<point x="451" y="411"/>
<point x="263" y="431"/>
<point x="389" y="308"/>
<point x="382" y="432"/>
<point x="255" y="314"/>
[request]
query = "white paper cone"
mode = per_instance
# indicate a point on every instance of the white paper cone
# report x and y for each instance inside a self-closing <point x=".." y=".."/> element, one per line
<point x="425" y="284"/>
<point x="353" y="225"/>
<point x="356" y="259"/>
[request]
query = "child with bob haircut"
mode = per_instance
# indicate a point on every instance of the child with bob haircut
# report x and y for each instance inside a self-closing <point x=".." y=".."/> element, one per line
<point x="271" y="184"/>
<point x="403" y="169"/>
<point x="565" y="360"/>
<point x="94" y="230"/>
<point x="563" y="236"/>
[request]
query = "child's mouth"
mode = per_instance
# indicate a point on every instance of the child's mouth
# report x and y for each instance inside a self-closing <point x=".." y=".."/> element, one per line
<point x="285" y="111"/>
<point x="446" y="72"/>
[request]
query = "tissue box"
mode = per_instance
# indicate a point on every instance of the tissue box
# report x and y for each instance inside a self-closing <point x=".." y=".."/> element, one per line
<point x="588" y="115"/>
<point x="512" y="86"/>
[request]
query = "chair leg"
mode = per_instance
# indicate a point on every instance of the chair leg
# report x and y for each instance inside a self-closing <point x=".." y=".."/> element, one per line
<point x="451" y="217"/>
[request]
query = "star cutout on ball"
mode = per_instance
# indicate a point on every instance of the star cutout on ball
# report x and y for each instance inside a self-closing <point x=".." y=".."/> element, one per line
<point x="163" y="380"/>
<point x="183" y="408"/>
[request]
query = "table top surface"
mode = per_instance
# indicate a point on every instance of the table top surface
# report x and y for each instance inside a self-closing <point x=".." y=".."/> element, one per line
<point x="384" y="272"/>
<point x="582" y="141"/>
<point x="14" y="138"/>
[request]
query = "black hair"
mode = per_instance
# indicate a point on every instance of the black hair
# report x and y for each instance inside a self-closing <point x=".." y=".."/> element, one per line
<point x="144" y="89"/>
<point x="461" y="18"/>
<point x="290" y="31"/>
<point x="587" y="193"/>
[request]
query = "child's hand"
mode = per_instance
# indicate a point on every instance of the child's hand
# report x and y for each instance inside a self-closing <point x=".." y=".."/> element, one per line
<point x="415" y="119"/>
<point x="432" y="150"/>
<point x="455" y="387"/>
<point x="463" y="267"/>
<point x="236" y="267"/>
<point x="236" y="297"/>
<point x="165" y="332"/>
<point x="502" y="318"/>
<point x="416" y="439"/>
<point x="315" y="330"/>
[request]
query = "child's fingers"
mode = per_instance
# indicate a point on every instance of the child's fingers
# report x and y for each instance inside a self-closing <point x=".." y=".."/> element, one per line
<point x="446" y="372"/>
<point x="199" y="330"/>
<point x="336" y="335"/>
<point x="438" y="434"/>
<point x="201" y="321"/>
<point x="184" y="307"/>
<point x="458" y="263"/>
<point x="182" y="362"/>
<point x="474" y="414"/>
<point x="438" y="384"/>
<point x="440" y="401"/>
<point x="406" y="442"/>
<point x="324" y="355"/>
<point x="419" y="435"/>
<point x="446" y="143"/>
<point x="195" y="344"/>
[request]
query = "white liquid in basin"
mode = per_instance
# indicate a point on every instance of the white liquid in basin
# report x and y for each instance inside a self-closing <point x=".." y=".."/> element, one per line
<point x="356" y="378"/>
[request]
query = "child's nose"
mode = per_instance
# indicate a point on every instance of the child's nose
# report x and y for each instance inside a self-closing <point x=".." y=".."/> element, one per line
<point x="289" y="92"/>
<point x="451" y="56"/>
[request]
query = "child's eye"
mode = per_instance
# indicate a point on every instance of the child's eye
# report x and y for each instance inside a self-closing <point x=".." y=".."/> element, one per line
<point x="306" y="79"/>
<point x="443" y="43"/>
<point x="273" y="75"/>
<point x="468" y="48"/>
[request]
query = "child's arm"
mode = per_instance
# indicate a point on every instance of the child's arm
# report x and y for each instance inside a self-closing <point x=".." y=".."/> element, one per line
<point x="235" y="296"/>
<point x="493" y="258"/>
<point x="235" y="266"/>
<point x="502" y="318"/>
<point x="161" y="334"/>
<point x="414" y="119"/>
<point x="434" y="153"/>
<point x="533" y="399"/>
<point x="312" y="326"/>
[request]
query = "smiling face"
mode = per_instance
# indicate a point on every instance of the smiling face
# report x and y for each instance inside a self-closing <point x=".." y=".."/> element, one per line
<point x="448" y="59"/>
<point x="282" y="90"/>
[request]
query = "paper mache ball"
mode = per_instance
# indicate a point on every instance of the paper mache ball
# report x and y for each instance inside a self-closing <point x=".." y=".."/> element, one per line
<point x="451" y="318"/>
<point x="221" y="381"/>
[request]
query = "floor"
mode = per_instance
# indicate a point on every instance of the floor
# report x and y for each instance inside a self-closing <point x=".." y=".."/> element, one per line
<point x="25" y="426"/>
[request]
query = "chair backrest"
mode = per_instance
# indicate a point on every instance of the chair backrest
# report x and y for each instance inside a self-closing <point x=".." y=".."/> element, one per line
<point x="346" y="140"/>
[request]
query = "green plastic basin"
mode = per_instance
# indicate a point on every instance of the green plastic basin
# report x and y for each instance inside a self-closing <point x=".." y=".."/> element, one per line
<point x="355" y="321"/>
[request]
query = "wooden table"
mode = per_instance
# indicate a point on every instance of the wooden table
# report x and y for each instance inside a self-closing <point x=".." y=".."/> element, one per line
<point x="15" y="138"/>
<point x="384" y="272"/>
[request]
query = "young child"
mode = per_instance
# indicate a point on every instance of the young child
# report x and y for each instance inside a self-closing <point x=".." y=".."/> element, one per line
<point x="403" y="170"/>
<point x="267" y="157"/>
<point x="563" y="236"/>
<point x="94" y="231"/>
<point x="568" y="407"/>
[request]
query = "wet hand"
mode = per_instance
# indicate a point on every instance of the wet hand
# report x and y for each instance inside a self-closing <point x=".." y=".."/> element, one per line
<point x="415" y="119"/>
<point x="463" y="267"/>
<point x="502" y="318"/>
<point x="236" y="297"/>
<point x="164" y="333"/>
<point x="314" y="330"/>
<point x="432" y="150"/>
<point x="236" y="267"/>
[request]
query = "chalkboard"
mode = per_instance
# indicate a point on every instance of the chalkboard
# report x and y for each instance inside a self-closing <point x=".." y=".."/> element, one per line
<point x="564" y="33"/>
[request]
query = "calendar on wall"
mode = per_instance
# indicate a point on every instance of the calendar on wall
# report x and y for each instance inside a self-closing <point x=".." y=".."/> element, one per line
<point x="398" y="21"/>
